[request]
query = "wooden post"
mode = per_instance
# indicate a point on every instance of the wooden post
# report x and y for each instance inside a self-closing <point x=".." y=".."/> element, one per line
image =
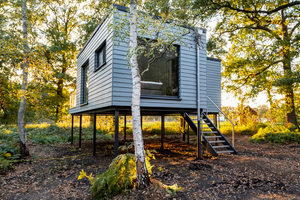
<point x="183" y="134"/>
<point x="216" y="120"/>
<point x="188" y="135"/>
<point x="80" y="123"/>
<point x="116" y="133"/>
<point x="125" y="127"/>
<point x="72" y="126"/>
<point x="94" y="134"/>
<point x="199" y="135"/>
<point x="162" y="135"/>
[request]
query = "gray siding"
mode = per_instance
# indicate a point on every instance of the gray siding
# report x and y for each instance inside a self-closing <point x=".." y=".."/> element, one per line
<point x="213" y="75"/>
<point x="100" y="82"/>
<point x="122" y="80"/>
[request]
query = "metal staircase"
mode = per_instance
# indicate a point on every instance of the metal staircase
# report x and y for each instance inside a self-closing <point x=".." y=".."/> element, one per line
<point x="212" y="138"/>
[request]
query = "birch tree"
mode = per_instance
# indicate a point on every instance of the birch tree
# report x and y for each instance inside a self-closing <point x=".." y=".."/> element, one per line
<point x="142" y="176"/>
<point x="158" y="35"/>
<point x="23" y="147"/>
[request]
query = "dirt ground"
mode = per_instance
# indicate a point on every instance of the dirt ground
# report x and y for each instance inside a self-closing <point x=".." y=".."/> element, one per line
<point x="258" y="171"/>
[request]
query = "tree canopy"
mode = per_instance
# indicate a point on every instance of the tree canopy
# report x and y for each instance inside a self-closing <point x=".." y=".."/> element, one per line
<point x="263" y="55"/>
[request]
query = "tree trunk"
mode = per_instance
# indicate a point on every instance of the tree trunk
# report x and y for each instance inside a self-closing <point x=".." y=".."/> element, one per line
<point x="142" y="176"/>
<point x="23" y="147"/>
<point x="290" y="114"/>
<point x="59" y="93"/>
<point x="290" y="107"/>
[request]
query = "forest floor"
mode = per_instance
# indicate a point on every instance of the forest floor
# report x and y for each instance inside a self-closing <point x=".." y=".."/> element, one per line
<point x="258" y="171"/>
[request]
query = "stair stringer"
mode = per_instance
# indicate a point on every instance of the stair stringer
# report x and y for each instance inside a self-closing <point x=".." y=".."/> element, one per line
<point x="205" y="142"/>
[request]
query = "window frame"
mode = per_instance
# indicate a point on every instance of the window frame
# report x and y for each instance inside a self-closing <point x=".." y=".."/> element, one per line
<point x="83" y="96"/>
<point x="99" y="49"/>
<point x="178" y="97"/>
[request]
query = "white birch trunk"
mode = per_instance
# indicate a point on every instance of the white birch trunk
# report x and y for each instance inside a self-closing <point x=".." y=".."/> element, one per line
<point x="142" y="176"/>
<point x="22" y="134"/>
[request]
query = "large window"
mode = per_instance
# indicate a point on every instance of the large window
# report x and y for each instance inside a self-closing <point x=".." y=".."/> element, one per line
<point x="162" y="77"/>
<point x="100" y="56"/>
<point x="84" y="83"/>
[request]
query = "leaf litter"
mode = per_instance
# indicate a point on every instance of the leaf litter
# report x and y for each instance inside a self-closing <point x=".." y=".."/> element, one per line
<point x="258" y="171"/>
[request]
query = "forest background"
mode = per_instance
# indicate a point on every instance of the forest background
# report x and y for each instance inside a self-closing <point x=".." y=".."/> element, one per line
<point x="58" y="29"/>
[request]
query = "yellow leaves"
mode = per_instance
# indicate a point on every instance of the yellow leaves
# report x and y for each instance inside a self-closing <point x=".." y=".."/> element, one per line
<point x="172" y="189"/>
<point x="7" y="155"/>
<point x="83" y="175"/>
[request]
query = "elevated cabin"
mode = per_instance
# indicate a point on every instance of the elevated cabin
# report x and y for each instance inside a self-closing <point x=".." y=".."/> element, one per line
<point x="104" y="82"/>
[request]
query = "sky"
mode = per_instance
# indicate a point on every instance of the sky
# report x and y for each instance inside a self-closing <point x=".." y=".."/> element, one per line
<point x="227" y="98"/>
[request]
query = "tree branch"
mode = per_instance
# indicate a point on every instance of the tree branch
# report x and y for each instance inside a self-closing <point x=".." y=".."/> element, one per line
<point x="226" y="4"/>
<point x="257" y="27"/>
<point x="251" y="75"/>
<point x="294" y="28"/>
<point x="154" y="58"/>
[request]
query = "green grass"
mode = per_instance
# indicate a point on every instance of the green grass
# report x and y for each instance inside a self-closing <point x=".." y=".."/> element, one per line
<point x="248" y="129"/>
<point x="154" y="128"/>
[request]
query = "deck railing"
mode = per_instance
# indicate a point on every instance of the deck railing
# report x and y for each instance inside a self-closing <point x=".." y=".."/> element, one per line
<point x="224" y="116"/>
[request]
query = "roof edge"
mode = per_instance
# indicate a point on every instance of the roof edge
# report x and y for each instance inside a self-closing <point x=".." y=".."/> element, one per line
<point x="121" y="8"/>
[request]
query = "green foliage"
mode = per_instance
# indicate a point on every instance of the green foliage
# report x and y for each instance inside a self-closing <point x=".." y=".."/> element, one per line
<point x="8" y="146"/>
<point x="245" y="129"/>
<point x="264" y="47"/>
<point x="59" y="133"/>
<point x="120" y="176"/>
<point x="276" y="134"/>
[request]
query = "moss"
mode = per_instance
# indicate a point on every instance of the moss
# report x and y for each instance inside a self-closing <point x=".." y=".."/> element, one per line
<point x="119" y="177"/>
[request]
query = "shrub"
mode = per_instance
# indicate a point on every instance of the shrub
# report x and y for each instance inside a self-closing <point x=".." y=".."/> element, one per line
<point x="276" y="134"/>
<point x="120" y="176"/>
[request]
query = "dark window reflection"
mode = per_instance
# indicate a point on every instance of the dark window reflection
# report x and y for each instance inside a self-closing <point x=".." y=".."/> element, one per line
<point x="84" y="83"/>
<point x="162" y="77"/>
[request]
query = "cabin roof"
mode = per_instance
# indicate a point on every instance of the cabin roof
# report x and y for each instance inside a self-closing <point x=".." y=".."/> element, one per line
<point x="121" y="8"/>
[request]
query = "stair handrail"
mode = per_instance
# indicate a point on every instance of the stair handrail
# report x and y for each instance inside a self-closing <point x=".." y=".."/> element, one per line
<point x="219" y="109"/>
<point x="233" y="125"/>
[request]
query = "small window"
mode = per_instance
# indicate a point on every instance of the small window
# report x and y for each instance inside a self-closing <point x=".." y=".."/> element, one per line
<point x="84" y="83"/>
<point x="100" y="56"/>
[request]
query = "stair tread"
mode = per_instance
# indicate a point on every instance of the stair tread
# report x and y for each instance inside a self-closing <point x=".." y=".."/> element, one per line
<point x="227" y="151"/>
<point x="223" y="146"/>
<point x="215" y="136"/>
<point x="217" y="141"/>
<point x="210" y="132"/>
